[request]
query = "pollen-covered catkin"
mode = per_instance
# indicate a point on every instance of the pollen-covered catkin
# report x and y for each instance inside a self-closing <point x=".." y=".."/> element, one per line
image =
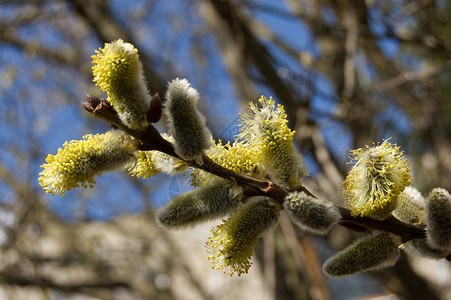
<point x="379" y="175"/>
<point x="78" y="162"/>
<point x="208" y="202"/>
<point x="118" y="71"/>
<point x="144" y="165"/>
<point x="438" y="218"/>
<point x="238" y="157"/>
<point x="369" y="253"/>
<point x="186" y="124"/>
<point x="410" y="206"/>
<point x="311" y="214"/>
<point x="265" y="129"/>
<point x="231" y="244"/>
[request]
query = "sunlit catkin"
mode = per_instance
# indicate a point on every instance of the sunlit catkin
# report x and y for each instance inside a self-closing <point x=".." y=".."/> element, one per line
<point x="379" y="175"/>
<point x="186" y="124"/>
<point x="118" y="71"/>
<point x="144" y="165"/>
<point x="237" y="156"/>
<point x="438" y="218"/>
<point x="266" y="130"/>
<point x="231" y="244"/>
<point x="78" y="162"/>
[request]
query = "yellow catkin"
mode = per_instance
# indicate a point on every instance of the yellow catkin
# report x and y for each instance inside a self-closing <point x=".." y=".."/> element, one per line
<point x="118" y="71"/>
<point x="144" y="165"/>
<point x="266" y="130"/>
<point x="78" y="162"/>
<point x="237" y="156"/>
<point x="231" y="244"/>
<point x="379" y="175"/>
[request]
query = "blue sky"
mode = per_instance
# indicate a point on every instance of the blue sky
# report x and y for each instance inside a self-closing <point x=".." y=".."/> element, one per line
<point x="68" y="121"/>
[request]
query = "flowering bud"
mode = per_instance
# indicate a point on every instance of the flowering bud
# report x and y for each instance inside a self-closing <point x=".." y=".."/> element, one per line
<point x="118" y="71"/>
<point x="438" y="218"/>
<point x="410" y="207"/>
<point x="205" y="203"/>
<point x="232" y="242"/>
<point x="186" y="124"/>
<point x="311" y="214"/>
<point x="79" y="161"/>
<point x="372" y="186"/>
<point x="369" y="253"/>
<point x="144" y="165"/>
<point x="238" y="157"/>
<point x="421" y="247"/>
<point x="265" y="129"/>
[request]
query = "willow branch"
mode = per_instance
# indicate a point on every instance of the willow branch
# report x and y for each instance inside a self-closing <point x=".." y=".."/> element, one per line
<point x="150" y="139"/>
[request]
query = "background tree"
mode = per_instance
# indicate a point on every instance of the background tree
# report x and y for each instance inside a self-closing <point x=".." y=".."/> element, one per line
<point x="348" y="73"/>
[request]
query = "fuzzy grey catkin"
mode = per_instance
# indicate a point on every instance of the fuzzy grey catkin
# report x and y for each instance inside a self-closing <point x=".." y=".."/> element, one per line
<point x="369" y="253"/>
<point x="410" y="206"/>
<point x="186" y="124"/>
<point x="438" y="218"/>
<point x="205" y="203"/>
<point x="421" y="247"/>
<point x="311" y="214"/>
<point x="167" y="163"/>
